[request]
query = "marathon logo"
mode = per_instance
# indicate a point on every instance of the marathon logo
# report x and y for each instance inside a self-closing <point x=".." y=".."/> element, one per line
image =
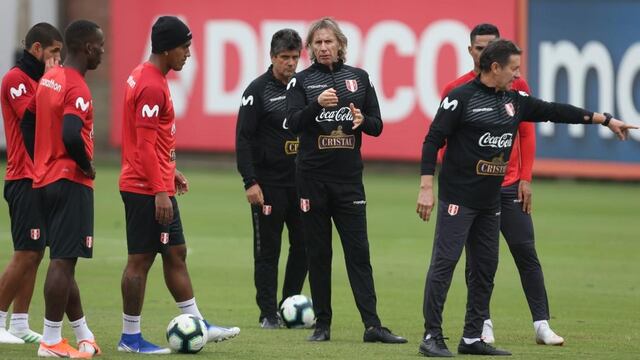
<point x="51" y="84"/>
<point x="496" y="167"/>
<point x="337" y="140"/>
<point x="291" y="147"/>
<point x="34" y="234"/>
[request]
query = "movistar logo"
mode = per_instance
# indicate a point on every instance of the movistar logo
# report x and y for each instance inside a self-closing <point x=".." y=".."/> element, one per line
<point x="446" y="104"/>
<point x="21" y="90"/>
<point x="248" y="100"/>
<point x="81" y="104"/>
<point x="292" y="83"/>
<point x="148" y="111"/>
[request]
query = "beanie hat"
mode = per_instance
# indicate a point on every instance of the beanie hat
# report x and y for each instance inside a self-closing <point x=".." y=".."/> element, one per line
<point x="168" y="33"/>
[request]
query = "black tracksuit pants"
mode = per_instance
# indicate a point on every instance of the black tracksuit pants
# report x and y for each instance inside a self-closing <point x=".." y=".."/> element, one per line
<point x="281" y="206"/>
<point x="455" y="227"/>
<point x="517" y="228"/>
<point x="321" y="202"/>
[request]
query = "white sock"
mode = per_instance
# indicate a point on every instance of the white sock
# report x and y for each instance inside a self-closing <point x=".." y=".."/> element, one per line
<point x="488" y="322"/>
<point x="3" y="319"/>
<point x="52" y="333"/>
<point x="537" y="324"/>
<point x="470" y="341"/>
<point x="81" y="329"/>
<point x="19" y="322"/>
<point x="189" y="307"/>
<point x="130" y="324"/>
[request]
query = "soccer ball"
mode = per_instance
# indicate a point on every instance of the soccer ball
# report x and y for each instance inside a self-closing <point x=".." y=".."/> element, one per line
<point x="186" y="334"/>
<point x="297" y="312"/>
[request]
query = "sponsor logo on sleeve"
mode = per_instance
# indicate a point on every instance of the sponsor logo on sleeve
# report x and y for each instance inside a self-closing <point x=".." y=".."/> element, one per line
<point x="284" y="124"/>
<point x="508" y="107"/>
<point x="82" y="104"/>
<point x="352" y="85"/>
<point x="266" y="210"/>
<point x="247" y="100"/>
<point x="34" y="234"/>
<point x="452" y="210"/>
<point x="150" y="111"/>
<point x="164" y="238"/>
<point x="336" y="140"/>
<point x="496" y="167"/>
<point x="449" y="105"/>
<point x="15" y="93"/>
<point x="305" y="205"/>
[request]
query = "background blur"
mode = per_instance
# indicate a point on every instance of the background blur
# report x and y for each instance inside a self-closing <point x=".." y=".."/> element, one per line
<point x="580" y="51"/>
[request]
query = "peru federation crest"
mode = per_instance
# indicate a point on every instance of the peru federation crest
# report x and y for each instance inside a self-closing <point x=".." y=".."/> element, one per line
<point x="35" y="234"/>
<point x="352" y="85"/>
<point x="509" y="109"/>
<point x="305" y="205"/>
<point x="453" y="209"/>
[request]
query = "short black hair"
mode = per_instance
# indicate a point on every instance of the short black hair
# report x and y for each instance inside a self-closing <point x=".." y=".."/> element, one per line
<point x="285" y="40"/>
<point x="498" y="51"/>
<point x="78" y="33"/>
<point x="484" y="29"/>
<point x="43" y="33"/>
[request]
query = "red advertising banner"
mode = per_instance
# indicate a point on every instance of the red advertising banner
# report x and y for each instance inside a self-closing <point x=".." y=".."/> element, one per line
<point x="410" y="48"/>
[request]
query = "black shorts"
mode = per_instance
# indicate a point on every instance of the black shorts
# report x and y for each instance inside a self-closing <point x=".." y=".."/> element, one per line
<point x="144" y="233"/>
<point x="27" y="225"/>
<point x="68" y="213"/>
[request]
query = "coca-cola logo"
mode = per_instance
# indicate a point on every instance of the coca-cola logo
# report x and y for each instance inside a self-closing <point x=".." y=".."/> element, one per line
<point x="342" y="114"/>
<point x="500" y="142"/>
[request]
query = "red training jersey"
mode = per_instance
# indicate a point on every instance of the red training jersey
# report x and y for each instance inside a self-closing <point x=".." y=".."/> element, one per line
<point x="524" y="147"/>
<point x="61" y="91"/>
<point x="17" y="91"/>
<point x="148" y="133"/>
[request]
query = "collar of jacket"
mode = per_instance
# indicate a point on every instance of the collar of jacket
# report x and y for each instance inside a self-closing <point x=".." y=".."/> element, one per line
<point x="30" y="65"/>
<point x="486" y="88"/>
<point x="324" y="68"/>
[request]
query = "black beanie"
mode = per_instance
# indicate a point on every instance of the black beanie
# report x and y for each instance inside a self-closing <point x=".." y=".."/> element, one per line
<point x="168" y="33"/>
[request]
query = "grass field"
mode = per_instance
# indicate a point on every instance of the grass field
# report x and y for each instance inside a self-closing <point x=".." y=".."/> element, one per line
<point x="587" y="239"/>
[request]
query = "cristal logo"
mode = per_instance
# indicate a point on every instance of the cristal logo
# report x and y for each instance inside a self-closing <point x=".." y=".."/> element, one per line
<point x="500" y="142"/>
<point x="148" y="111"/>
<point x="81" y="104"/>
<point x="21" y="90"/>
<point x="342" y="114"/>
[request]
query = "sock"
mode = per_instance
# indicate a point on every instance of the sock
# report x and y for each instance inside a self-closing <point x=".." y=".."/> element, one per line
<point x="19" y="322"/>
<point x="488" y="322"/>
<point x="52" y="333"/>
<point x="470" y="341"/>
<point x="537" y="324"/>
<point x="130" y="324"/>
<point x="189" y="307"/>
<point x="81" y="329"/>
<point x="3" y="319"/>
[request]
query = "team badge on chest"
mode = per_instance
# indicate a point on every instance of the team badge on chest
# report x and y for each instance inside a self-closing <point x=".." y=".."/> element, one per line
<point x="352" y="85"/>
<point x="305" y="205"/>
<point x="509" y="109"/>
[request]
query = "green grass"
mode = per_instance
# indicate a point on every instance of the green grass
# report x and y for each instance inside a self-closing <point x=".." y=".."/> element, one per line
<point x="587" y="240"/>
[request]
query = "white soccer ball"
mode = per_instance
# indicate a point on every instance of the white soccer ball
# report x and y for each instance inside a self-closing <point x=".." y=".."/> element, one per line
<point x="186" y="334"/>
<point x="297" y="312"/>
